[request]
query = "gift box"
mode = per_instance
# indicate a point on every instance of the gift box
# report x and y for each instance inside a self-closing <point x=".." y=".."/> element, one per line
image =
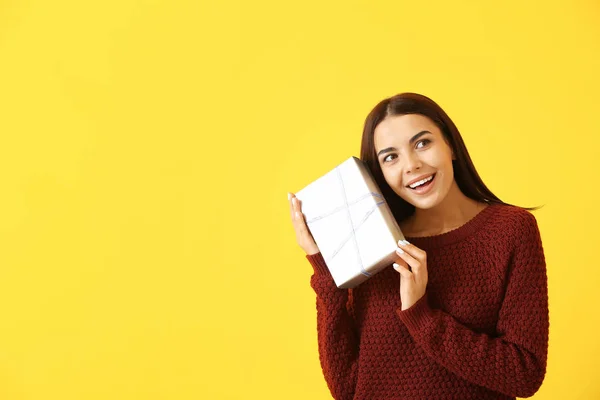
<point x="351" y="223"/>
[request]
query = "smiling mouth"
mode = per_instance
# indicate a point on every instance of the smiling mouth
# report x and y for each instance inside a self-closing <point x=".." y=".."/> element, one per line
<point x="424" y="186"/>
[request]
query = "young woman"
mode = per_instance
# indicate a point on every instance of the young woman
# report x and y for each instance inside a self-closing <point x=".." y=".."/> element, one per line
<point x="463" y="313"/>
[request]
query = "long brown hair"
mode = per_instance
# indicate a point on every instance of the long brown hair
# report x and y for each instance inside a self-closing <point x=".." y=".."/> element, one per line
<point x="465" y="174"/>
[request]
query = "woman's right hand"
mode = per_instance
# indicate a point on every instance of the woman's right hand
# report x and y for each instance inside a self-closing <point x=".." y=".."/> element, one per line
<point x="303" y="235"/>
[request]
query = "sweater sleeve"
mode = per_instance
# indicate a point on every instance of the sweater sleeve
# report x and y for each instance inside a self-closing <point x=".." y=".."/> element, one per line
<point x="512" y="362"/>
<point x="336" y="331"/>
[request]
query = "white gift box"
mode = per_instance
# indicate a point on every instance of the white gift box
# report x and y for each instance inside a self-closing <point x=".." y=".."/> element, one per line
<point x="351" y="223"/>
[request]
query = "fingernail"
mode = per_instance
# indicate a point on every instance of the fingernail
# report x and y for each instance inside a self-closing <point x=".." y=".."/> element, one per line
<point x="289" y="196"/>
<point x="399" y="250"/>
<point x="396" y="266"/>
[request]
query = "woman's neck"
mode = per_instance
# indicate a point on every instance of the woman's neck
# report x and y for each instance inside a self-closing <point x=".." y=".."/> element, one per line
<point x="454" y="211"/>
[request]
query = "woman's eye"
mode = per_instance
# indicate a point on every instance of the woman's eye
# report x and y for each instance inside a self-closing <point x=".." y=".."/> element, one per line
<point x="386" y="157"/>
<point x="425" y="141"/>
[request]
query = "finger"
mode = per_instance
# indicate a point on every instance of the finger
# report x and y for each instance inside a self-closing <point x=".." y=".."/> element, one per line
<point x="399" y="260"/>
<point x="296" y="213"/>
<point x="294" y="204"/>
<point x="297" y="219"/>
<point x="412" y="262"/>
<point x="301" y="222"/>
<point x="413" y="250"/>
<point x="403" y="270"/>
<point x="403" y="263"/>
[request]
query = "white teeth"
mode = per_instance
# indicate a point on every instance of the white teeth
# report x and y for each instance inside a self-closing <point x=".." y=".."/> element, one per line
<point x="422" y="181"/>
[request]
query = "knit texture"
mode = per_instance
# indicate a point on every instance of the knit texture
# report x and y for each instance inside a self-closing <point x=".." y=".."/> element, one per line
<point x="480" y="332"/>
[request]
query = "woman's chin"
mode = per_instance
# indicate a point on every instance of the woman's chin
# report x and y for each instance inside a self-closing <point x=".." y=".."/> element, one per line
<point x="425" y="203"/>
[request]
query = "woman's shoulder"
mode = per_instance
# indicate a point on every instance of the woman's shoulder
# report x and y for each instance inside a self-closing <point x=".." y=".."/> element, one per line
<point x="515" y="221"/>
<point x="511" y="214"/>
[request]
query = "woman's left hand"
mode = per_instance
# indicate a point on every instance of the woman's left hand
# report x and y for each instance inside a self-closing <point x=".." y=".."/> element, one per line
<point x="412" y="266"/>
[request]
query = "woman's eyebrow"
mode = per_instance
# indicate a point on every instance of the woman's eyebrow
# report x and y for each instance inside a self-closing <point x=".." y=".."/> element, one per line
<point x="411" y="141"/>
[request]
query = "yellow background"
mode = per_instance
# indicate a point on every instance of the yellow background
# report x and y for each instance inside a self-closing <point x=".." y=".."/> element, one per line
<point x="147" y="148"/>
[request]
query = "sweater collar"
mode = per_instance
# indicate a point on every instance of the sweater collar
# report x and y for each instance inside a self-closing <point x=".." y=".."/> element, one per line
<point x="455" y="235"/>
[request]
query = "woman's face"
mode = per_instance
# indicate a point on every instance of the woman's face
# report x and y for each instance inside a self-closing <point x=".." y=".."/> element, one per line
<point x="411" y="147"/>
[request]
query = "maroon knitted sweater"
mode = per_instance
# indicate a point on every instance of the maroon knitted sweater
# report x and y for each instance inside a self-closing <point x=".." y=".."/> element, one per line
<point x="480" y="332"/>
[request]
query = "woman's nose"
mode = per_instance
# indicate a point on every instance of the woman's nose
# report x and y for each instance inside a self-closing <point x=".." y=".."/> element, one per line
<point x="413" y="163"/>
